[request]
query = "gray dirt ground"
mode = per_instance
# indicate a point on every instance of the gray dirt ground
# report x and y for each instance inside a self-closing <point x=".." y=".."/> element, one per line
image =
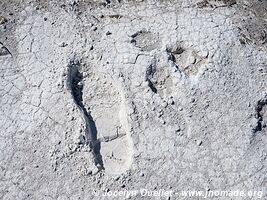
<point x="122" y="95"/>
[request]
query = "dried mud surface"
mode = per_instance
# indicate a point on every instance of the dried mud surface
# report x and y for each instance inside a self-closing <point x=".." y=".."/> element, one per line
<point x="120" y="95"/>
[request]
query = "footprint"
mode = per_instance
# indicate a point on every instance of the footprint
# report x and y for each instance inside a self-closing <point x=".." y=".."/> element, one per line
<point x="146" y="40"/>
<point x="188" y="61"/>
<point x="160" y="79"/>
<point x="106" y="106"/>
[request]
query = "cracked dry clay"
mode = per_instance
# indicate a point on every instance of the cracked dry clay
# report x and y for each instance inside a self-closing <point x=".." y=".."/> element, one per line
<point x="121" y="95"/>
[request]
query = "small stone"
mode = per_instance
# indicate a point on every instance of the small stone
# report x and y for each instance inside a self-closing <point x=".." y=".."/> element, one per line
<point x="174" y="69"/>
<point x="162" y="121"/>
<point x="80" y="84"/>
<point x="59" y="83"/>
<point x="199" y="142"/>
<point x="63" y="44"/>
<point x="131" y="110"/>
<point x="2" y="20"/>
<point x="108" y="33"/>
<point x="160" y="113"/>
<point x="192" y="100"/>
<point x="170" y="101"/>
<point x="164" y="104"/>
<point x="117" y="178"/>
<point x="205" y="53"/>
<point x="146" y="116"/>
<point x="142" y="174"/>
<point x="85" y="74"/>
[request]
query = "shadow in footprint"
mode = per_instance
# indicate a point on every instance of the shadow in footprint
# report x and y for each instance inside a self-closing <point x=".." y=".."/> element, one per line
<point x="76" y="87"/>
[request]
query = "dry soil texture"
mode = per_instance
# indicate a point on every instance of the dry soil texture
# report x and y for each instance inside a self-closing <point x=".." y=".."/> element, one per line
<point x="116" y="95"/>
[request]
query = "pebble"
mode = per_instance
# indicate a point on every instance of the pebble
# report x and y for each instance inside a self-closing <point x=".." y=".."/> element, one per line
<point x="164" y="104"/>
<point x="63" y="44"/>
<point x="117" y="178"/>
<point x="108" y="33"/>
<point x="192" y="59"/>
<point x="170" y="101"/>
<point x="160" y="113"/>
<point x="199" y="142"/>
<point x="2" y="20"/>
<point x="192" y="100"/>
<point x="162" y="121"/>
<point x="174" y="69"/>
<point x="131" y="110"/>
<point x="80" y="84"/>
<point x="178" y="129"/>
